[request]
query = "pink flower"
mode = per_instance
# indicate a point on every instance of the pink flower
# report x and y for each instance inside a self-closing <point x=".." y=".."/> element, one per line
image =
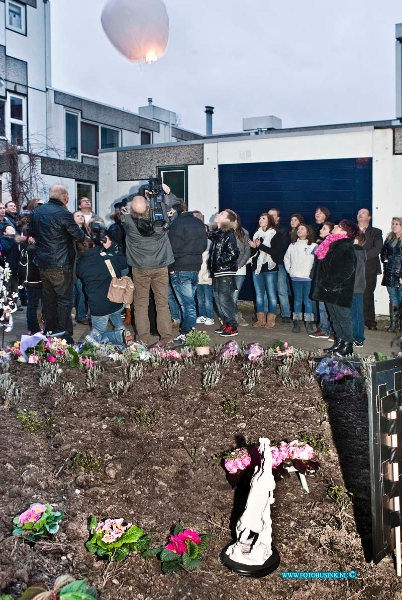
<point x="300" y="450"/>
<point x="176" y="545"/>
<point x="51" y="359"/>
<point x="189" y="535"/>
<point x="29" y="516"/>
<point x="38" y="508"/>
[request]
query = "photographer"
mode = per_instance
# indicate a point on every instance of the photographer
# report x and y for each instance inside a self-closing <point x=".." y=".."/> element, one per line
<point x="95" y="276"/>
<point x="149" y="254"/>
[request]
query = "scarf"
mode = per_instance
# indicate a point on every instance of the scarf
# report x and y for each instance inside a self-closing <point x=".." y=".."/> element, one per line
<point x="263" y="257"/>
<point x="323" y="248"/>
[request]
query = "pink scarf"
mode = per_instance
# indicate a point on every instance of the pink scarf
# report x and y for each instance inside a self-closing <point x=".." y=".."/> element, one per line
<point x="323" y="248"/>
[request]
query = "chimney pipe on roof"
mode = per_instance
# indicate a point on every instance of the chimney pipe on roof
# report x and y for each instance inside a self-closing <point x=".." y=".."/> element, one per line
<point x="149" y="101"/>
<point x="209" y="111"/>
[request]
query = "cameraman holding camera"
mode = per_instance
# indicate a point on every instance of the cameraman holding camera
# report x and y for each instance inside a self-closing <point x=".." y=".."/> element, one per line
<point x="149" y="254"/>
<point x="94" y="273"/>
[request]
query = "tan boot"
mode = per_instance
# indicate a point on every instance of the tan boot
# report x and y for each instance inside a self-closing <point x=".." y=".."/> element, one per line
<point x="127" y="318"/>
<point x="260" y="322"/>
<point x="270" y="321"/>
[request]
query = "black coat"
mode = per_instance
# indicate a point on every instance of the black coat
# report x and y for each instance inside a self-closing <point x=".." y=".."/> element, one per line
<point x="334" y="275"/>
<point x="224" y="253"/>
<point x="12" y="253"/>
<point x="373" y="247"/>
<point x="391" y="257"/>
<point x="55" y="231"/>
<point x="95" y="276"/>
<point x="188" y="239"/>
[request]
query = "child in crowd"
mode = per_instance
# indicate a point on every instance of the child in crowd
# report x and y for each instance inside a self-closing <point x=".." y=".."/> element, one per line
<point x="12" y="254"/>
<point x="205" y="297"/>
<point x="298" y="261"/>
<point x="358" y="291"/>
<point x="324" y="329"/>
<point x="223" y="268"/>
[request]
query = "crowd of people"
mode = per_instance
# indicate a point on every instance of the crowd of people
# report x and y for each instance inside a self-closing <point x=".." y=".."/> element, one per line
<point x="183" y="270"/>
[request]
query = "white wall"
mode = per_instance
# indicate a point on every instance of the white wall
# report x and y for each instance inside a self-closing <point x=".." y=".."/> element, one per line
<point x="387" y="196"/>
<point x="111" y="190"/>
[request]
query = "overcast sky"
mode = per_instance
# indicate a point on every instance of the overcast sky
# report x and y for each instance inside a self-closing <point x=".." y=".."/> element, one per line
<point x="308" y="62"/>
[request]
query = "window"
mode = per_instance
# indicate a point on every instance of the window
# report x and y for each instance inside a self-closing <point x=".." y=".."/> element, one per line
<point x="17" y="119"/>
<point x="2" y="118"/>
<point x="110" y="138"/>
<point x="89" y="138"/>
<point x="146" y="137"/>
<point x="86" y="190"/>
<point x="72" y="135"/>
<point x="16" y="16"/>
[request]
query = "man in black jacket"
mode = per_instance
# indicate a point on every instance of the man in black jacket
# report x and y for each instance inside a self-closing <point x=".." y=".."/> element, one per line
<point x="188" y="239"/>
<point x="373" y="247"/>
<point x="55" y="232"/>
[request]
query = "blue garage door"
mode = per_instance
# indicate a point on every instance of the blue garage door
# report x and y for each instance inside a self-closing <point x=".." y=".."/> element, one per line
<point x="343" y="185"/>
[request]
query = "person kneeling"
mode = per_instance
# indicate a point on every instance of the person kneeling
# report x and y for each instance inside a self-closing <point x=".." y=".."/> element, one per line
<point x="95" y="276"/>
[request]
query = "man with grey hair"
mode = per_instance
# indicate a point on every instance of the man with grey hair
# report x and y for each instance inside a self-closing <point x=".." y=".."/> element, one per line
<point x="55" y="231"/>
<point x="149" y="254"/>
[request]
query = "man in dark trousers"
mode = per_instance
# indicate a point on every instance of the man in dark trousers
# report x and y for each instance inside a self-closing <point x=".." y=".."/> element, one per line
<point x="372" y="246"/>
<point x="55" y="231"/>
<point x="189" y="240"/>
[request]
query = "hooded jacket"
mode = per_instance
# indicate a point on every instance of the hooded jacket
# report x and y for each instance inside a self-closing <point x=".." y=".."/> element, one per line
<point x="224" y="252"/>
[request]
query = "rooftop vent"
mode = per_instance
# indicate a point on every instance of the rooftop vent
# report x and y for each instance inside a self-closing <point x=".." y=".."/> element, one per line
<point x="261" y="124"/>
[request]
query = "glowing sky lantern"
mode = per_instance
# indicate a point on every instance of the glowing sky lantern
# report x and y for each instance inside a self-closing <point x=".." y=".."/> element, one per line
<point x="139" y="29"/>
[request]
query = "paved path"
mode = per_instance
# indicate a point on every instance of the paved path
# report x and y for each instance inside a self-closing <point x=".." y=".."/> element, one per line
<point x="376" y="341"/>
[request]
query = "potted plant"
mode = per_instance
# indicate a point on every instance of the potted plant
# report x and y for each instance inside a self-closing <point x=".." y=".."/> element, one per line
<point x="199" y="340"/>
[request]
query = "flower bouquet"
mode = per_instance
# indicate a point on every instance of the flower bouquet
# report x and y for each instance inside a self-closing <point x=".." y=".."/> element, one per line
<point x="115" y="539"/>
<point x="230" y="350"/>
<point x="282" y="350"/>
<point x="254" y="352"/>
<point x="37" y="520"/>
<point x="331" y="370"/>
<point x="184" y="550"/>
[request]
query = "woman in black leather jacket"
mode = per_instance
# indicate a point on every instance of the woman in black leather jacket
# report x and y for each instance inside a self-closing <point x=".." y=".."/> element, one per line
<point x="391" y="256"/>
<point x="223" y="267"/>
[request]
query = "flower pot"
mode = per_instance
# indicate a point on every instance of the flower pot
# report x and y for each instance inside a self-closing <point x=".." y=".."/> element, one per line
<point x="202" y="350"/>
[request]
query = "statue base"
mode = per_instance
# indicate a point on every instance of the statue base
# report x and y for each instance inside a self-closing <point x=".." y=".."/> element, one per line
<point x="254" y="571"/>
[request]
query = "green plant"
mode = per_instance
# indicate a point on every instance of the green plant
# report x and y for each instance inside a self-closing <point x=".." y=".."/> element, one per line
<point x="210" y="375"/>
<point x="340" y="496"/>
<point x="37" y="520"/>
<point x="86" y="461"/>
<point x="322" y="408"/>
<point x="230" y="406"/>
<point x="171" y="375"/>
<point x="144" y="417"/>
<point x="115" y="539"/>
<point x="184" y="550"/>
<point x="318" y="443"/>
<point x="379" y="356"/>
<point x="64" y="588"/>
<point x="30" y="422"/>
<point x="197" y="339"/>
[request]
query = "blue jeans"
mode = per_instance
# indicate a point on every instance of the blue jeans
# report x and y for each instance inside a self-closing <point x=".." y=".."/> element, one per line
<point x="184" y="284"/>
<point x="358" y="318"/>
<point x="223" y="294"/>
<point x="239" y="280"/>
<point x="266" y="283"/>
<point x="324" y="324"/>
<point x="34" y="297"/>
<point x="173" y="305"/>
<point x="301" y="294"/>
<point x="79" y="301"/>
<point x="395" y="295"/>
<point x="99" y="326"/>
<point x="283" y="291"/>
<point x="205" y="299"/>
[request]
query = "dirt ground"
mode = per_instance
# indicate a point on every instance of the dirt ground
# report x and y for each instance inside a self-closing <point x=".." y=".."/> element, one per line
<point x="155" y="449"/>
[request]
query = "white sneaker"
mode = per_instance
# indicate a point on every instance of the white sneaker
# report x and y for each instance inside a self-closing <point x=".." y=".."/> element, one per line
<point x="209" y="321"/>
<point x="201" y="320"/>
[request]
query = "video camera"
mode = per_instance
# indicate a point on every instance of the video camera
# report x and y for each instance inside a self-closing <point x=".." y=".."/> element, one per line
<point x="157" y="206"/>
<point x="98" y="232"/>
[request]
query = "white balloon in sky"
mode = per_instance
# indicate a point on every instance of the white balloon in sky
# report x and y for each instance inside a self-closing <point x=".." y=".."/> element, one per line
<point x="139" y="29"/>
